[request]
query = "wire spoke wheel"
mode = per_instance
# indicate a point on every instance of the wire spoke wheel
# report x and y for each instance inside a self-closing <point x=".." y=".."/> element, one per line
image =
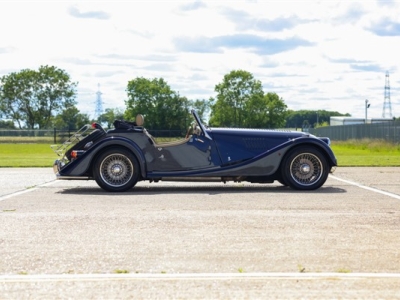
<point x="116" y="170"/>
<point x="306" y="169"/>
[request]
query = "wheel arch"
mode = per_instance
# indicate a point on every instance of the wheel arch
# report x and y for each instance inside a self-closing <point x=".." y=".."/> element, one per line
<point x="121" y="143"/>
<point x="318" y="144"/>
<point x="86" y="163"/>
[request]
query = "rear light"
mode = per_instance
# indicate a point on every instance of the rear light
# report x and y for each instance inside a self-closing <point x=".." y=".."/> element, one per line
<point x="76" y="153"/>
<point x="97" y="126"/>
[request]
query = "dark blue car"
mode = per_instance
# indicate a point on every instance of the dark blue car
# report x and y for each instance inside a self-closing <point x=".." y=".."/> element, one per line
<point x="118" y="158"/>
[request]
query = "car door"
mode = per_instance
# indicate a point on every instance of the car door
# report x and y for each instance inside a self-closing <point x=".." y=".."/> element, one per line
<point x="198" y="152"/>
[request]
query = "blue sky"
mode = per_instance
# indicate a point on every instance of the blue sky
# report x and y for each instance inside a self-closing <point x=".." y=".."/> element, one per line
<point x="323" y="54"/>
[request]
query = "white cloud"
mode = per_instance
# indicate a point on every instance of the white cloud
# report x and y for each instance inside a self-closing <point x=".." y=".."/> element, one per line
<point x="315" y="54"/>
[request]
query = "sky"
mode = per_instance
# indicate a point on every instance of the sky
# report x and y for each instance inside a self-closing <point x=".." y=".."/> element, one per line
<point x="316" y="55"/>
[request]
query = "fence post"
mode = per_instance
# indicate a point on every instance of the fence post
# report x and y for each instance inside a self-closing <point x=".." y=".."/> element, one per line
<point x="55" y="136"/>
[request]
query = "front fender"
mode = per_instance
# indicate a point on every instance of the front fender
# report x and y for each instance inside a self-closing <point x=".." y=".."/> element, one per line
<point x="306" y="140"/>
<point x="81" y="165"/>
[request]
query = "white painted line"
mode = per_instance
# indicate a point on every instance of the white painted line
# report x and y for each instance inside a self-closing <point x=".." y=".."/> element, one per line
<point x="367" y="187"/>
<point x="194" y="276"/>
<point x="28" y="190"/>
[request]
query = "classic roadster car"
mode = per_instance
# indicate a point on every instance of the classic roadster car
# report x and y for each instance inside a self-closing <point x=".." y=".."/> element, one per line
<point x="120" y="157"/>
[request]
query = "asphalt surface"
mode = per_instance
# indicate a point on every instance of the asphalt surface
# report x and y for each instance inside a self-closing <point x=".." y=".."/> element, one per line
<point x="72" y="240"/>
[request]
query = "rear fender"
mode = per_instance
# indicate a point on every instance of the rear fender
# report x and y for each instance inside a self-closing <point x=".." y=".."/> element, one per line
<point x="83" y="164"/>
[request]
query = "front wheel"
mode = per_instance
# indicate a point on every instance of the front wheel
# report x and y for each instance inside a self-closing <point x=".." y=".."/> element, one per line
<point x="305" y="168"/>
<point x="116" y="170"/>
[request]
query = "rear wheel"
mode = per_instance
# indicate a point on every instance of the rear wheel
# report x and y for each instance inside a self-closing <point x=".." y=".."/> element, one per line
<point x="304" y="168"/>
<point x="116" y="170"/>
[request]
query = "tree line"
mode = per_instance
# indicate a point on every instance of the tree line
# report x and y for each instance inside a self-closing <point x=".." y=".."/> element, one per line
<point x="46" y="98"/>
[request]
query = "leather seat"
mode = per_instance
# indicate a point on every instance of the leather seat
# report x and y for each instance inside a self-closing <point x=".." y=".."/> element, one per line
<point x="139" y="120"/>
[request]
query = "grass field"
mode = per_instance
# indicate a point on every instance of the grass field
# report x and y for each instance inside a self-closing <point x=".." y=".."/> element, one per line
<point x="26" y="155"/>
<point x="349" y="153"/>
<point x="367" y="152"/>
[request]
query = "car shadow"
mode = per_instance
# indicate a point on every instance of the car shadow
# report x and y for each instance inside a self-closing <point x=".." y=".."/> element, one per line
<point x="206" y="190"/>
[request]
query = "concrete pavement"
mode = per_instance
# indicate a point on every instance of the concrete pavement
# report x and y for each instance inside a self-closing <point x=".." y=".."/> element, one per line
<point x="70" y="239"/>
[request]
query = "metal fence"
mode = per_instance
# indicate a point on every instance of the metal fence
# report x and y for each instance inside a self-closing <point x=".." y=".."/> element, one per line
<point x="389" y="131"/>
<point x="27" y="132"/>
<point x="16" y="135"/>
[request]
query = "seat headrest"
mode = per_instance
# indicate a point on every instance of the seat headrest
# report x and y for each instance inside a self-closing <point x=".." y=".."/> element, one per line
<point x="139" y="120"/>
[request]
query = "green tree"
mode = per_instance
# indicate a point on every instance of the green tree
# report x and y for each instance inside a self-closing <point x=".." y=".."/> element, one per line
<point x="7" y="124"/>
<point x="202" y="107"/>
<point x="241" y="102"/>
<point x="268" y="111"/>
<point x="71" y="119"/>
<point x="237" y="89"/>
<point x="277" y="111"/>
<point x="162" y="107"/>
<point x="110" y="115"/>
<point x="31" y="98"/>
<point x="257" y="111"/>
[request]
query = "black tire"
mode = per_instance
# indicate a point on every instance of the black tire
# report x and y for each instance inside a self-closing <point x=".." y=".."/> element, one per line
<point x="280" y="180"/>
<point x="92" y="137"/>
<point x="116" y="170"/>
<point x="304" y="168"/>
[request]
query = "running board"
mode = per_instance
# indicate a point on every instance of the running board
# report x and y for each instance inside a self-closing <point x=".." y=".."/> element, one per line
<point x="60" y="177"/>
<point x="192" y="179"/>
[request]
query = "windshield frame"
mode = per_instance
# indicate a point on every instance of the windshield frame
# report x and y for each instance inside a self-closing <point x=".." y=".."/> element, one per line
<point x="201" y="125"/>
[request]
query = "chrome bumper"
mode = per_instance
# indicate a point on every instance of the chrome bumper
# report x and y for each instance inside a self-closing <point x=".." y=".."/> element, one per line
<point x="57" y="165"/>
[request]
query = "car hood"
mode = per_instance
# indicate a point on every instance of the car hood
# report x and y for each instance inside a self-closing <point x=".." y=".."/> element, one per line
<point x="272" y="133"/>
<point x="236" y="145"/>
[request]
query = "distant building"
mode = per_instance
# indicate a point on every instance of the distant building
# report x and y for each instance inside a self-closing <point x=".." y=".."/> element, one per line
<point x="335" y="121"/>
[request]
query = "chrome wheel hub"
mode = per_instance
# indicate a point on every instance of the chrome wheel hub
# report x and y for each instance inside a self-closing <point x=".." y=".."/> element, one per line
<point x="305" y="168"/>
<point x="116" y="170"/>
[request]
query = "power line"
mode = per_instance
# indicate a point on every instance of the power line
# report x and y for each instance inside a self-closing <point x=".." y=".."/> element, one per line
<point x="387" y="106"/>
<point x="99" y="104"/>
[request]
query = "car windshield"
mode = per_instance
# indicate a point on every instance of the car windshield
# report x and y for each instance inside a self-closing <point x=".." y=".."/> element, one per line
<point x="200" y="124"/>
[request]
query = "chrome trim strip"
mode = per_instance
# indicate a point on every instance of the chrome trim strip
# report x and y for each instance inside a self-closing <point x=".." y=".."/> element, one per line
<point x="59" y="177"/>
